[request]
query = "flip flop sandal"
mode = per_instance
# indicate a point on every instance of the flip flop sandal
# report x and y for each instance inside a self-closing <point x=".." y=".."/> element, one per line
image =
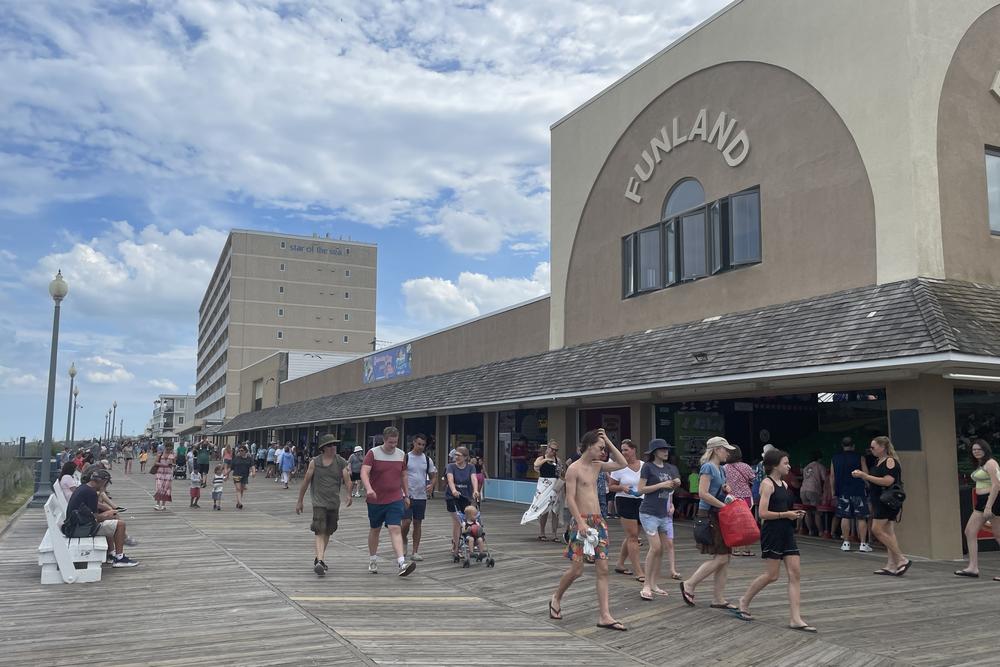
<point x="659" y="591"/>
<point x="743" y="615"/>
<point x="688" y="597"/>
<point x="617" y="625"/>
<point x="901" y="571"/>
<point x="622" y="570"/>
<point x="675" y="576"/>
<point x="729" y="606"/>
<point x="964" y="573"/>
<point x="542" y="538"/>
<point x="645" y="596"/>
<point x="641" y="579"/>
<point x="554" y="614"/>
<point x="803" y="628"/>
<point x="883" y="571"/>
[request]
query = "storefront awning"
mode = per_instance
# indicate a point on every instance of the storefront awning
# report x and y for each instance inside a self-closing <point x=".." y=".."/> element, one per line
<point x="918" y="323"/>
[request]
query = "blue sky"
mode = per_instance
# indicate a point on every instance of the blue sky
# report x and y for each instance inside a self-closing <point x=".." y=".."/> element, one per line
<point x="133" y="136"/>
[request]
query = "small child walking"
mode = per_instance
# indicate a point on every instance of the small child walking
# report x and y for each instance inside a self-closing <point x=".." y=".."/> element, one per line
<point x="217" y="482"/>
<point x="143" y="457"/>
<point x="195" y="478"/>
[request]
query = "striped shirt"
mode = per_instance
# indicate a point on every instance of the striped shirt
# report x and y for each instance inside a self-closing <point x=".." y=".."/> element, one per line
<point x="217" y="483"/>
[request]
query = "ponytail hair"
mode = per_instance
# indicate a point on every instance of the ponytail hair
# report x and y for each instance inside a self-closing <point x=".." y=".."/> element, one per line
<point x="884" y="441"/>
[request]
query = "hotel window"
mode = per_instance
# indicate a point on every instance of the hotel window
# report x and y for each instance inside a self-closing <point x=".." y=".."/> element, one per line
<point x="347" y="273"/>
<point x="281" y="289"/>
<point x="345" y="339"/>
<point x="347" y="295"/>
<point x="696" y="239"/>
<point x="281" y="312"/>
<point x="993" y="188"/>
<point x="280" y="334"/>
<point x="282" y="245"/>
<point x="347" y="317"/>
<point x="258" y="394"/>
<point x="281" y="267"/>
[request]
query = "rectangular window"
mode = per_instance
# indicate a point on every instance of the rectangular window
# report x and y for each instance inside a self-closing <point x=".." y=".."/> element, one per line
<point x="180" y="420"/>
<point x="649" y="259"/>
<point x="258" y="394"/>
<point x="993" y="188"/>
<point x="628" y="265"/>
<point x="670" y="251"/>
<point x="180" y="404"/>
<point x="345" y="339"/>
<point x="744" y="228"/>
<point x="347" y="273"/>
<point x="347" y="295"/>
<point x="281" y="312"/>
<point x="281" y="267"/>
<point x="347" y="317"/>
<point x="281" y="289"/>
<point x="280" y="334"/>
<point x="282" y="245"/>
<point x="716" y="216"/>
<point x="694" y="246"/>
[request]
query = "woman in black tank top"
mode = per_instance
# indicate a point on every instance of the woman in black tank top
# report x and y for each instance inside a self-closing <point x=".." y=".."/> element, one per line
<point x="777" y="540"/>
<point x="548" y="466"/>
<point x="884" y="474"/>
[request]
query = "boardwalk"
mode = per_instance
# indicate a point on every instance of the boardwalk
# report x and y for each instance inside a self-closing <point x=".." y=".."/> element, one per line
<point x="228" y="588"/>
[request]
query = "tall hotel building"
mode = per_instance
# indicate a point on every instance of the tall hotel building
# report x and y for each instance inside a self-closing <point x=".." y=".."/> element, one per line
<point x="272" y="292"/>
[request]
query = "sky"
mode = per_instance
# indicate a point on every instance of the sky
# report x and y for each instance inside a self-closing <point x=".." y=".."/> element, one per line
<point x="135" y="134"/>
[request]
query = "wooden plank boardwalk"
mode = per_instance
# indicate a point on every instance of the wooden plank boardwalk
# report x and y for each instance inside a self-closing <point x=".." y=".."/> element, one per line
<point x="237" y="588"/>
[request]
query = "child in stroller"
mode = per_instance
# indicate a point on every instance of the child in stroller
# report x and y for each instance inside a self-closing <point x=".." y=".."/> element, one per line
<point x="180" y="468"/>
<point x="473" y="541"/>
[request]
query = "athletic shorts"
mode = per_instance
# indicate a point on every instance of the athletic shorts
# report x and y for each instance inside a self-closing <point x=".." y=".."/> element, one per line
<point x="657" y="524"/>
<point x="416" y="511"/>
<point x="628" y="507"/>
<point x="575" y="549"/>
<point x="456" y="504"/>
<point x="203" y="468"/>
<point x="107" y="528"/>
<point x="389" y="514"/>
<point x="324" y="520"/>
<point x="196" y="492"/>
<point x="355" y="477"/>
<point x="852" y="507"/>
<point x="981" y="504"/>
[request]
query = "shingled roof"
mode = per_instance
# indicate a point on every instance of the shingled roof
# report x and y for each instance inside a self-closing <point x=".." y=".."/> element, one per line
<point x="882" y="322"/>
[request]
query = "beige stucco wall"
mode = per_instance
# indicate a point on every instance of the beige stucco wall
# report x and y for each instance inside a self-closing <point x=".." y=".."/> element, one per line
<point x="969" y="120"/>
<point x="515" y="332"/>
<point x="274" y="366"/>
<point x="880" y="65"/>
<point x="817" y="212"/>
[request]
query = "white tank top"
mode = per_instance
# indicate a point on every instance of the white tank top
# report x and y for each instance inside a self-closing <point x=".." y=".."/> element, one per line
<point x="628" y="478"/>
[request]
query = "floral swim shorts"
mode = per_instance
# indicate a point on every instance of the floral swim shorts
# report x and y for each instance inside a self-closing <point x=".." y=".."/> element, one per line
<point x="575" y="549"/>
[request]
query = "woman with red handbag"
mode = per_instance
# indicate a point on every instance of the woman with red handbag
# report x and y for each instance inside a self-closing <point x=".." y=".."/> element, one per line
<point x="777" y="540"/>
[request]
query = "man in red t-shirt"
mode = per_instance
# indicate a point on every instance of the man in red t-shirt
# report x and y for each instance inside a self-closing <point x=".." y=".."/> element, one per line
<point x="383" y="474"/>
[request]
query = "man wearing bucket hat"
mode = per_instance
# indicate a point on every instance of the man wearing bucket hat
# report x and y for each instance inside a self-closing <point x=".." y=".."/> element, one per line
<point x="327" y="475"/>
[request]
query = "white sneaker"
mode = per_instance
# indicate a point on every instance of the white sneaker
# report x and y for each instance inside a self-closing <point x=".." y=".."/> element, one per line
<point x="417" y="557"/>
<point x="405" y="569"/>
<point x="846" y="546"/>
<point x="864" y="547"/>
<point x="372" y="567"/>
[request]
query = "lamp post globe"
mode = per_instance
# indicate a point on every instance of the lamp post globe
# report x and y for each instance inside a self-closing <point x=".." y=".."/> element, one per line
<point x="58" y="289"/>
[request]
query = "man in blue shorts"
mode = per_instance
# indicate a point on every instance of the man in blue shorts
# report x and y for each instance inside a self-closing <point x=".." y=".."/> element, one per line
<point x="422" y="479"/>
<point x="850" y="493"/>
<point x="383" y="474"/>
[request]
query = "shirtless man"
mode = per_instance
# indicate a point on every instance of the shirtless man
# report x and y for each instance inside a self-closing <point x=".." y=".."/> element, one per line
<point x="581" y="497"/>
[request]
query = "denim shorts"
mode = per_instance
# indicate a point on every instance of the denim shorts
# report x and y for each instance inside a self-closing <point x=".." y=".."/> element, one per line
<point x="657" y="524"/>
<point x="389" y="514"/>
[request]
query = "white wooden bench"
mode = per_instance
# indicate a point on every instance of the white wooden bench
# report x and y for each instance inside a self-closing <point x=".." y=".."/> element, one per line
<point x="66" y="560"/>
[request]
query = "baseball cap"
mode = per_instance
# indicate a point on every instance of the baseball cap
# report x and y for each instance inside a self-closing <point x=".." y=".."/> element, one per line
<point x="100" y="475"/>
<point x="328" y="440"/>
<point x="359" y="448"/>
<point x="718" y="441"/>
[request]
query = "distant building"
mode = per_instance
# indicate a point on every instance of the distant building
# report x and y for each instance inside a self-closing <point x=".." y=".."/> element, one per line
<point x="280" y="292"/>
<point x="172" y="413"/>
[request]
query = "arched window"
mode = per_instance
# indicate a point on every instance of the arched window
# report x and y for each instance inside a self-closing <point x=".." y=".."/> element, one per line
<point x="686" y="194"/>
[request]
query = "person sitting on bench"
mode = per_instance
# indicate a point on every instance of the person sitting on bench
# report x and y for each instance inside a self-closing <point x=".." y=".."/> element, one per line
<point x="108" y="523"/>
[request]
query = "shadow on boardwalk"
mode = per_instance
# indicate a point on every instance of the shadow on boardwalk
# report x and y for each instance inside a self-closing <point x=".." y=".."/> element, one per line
<point x="237" y="588"/>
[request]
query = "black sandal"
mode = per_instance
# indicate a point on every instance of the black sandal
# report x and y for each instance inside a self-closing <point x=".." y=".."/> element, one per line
<point x="616" y="625"/>
<point x="688" y="597"/>
<point x="554" y="614"/>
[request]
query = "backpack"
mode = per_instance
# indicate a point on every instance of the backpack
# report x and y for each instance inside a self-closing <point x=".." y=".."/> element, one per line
<point x="81" y="522"/>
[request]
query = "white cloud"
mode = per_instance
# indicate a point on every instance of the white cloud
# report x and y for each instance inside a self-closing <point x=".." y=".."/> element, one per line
<point x="163" y="384"/>
<point x="110" y="372"/>
<point x="426" y="112"/>
<point x="12" y="378"/>
<point x="438" y="301"/>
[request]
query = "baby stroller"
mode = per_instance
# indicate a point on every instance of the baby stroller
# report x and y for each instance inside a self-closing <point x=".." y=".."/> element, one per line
<point x="475" y="531"/>
<point x="180" y="469"/>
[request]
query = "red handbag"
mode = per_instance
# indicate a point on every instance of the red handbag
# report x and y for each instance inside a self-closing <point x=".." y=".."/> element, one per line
<point x="738" y="525"/>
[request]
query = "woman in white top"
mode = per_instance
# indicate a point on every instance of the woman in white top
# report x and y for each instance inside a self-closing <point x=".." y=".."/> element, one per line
<point x="67" y="480"/>
<point x="624" y="484"/>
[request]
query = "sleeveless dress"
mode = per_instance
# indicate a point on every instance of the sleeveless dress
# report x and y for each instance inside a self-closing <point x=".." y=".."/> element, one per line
<point x="777" y="536"/>
<point x="879" y="509"/>
<point x="164" y="477"/>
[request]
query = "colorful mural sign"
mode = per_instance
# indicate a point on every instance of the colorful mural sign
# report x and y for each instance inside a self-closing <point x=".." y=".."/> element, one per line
<point x="387" y="364"/>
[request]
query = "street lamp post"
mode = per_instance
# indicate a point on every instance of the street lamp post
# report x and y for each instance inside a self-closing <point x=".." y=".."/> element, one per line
<point x="114" y="414"/>
<point x="69" y="408"/>
<point x="43" y="486"/>
<point x="107" y="420"/>
<point x="72" y="430"/>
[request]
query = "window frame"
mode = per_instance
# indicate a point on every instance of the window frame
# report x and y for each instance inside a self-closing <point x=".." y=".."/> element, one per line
<point x="760" y="234"/>
<point x="279" y="335"/>
<point x="281" y="266"/>
<point x="639" y="289"/>
<point x="990" y="152"/>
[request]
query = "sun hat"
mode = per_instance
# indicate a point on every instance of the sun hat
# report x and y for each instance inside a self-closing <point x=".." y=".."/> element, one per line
<point x="358" y="448"/>
<point x="718" y="441"/>
<point x="657" y="443"/>
<point x="328" y="440"/>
